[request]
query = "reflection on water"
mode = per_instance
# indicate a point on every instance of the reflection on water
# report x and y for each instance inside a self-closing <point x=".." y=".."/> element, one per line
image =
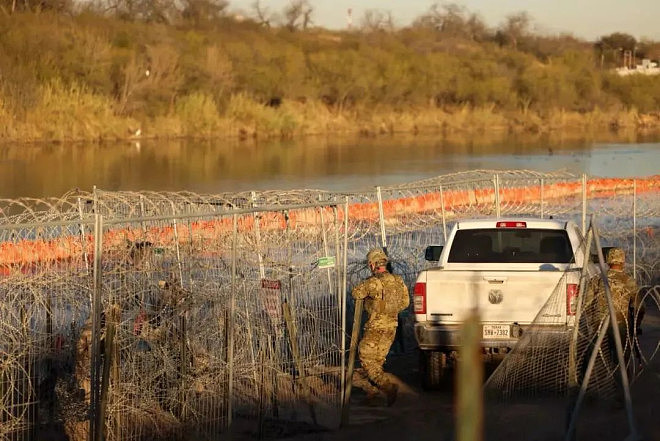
<point x="332" y="164"/>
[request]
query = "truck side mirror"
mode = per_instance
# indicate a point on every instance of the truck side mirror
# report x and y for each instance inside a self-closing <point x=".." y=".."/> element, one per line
<point x="432" y="253"/>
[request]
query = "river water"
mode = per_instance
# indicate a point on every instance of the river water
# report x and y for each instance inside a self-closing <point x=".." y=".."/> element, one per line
<point x="320" y="163"/>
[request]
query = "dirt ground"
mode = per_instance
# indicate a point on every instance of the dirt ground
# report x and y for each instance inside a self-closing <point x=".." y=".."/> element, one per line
<point x="420" y="415"/>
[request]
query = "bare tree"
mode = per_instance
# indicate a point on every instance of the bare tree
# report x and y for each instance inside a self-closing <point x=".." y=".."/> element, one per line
<point x="307" y="17"/>
<point x="476" y="28"/>
<point x="297" y="14"/>
<point x="262" y="14"/>
<point x="200" y="11"/>
<point x="516" y="27"/>
<point x="376" y="20"/>
<point x="11" y="6"/>
<point x="151" y="77"/>
<point x="453" y="20"/>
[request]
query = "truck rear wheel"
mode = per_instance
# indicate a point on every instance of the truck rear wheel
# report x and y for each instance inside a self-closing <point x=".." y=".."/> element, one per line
<point x="432" y="368"/>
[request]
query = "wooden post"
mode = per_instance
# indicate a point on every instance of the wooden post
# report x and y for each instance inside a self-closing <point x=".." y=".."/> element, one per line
<point x="470" y="376"/>
<point x="357" y="321"/>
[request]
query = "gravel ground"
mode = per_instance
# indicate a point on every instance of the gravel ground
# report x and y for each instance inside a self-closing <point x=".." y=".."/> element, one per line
<point x="420" y="415"/>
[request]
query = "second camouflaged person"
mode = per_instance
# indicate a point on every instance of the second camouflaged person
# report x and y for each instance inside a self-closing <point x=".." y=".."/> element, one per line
<point x="624" y="297"/>
<point x="385" y="295"/>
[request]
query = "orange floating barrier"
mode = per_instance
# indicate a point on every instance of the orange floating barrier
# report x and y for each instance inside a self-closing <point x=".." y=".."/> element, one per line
<point x="23" y="255"/>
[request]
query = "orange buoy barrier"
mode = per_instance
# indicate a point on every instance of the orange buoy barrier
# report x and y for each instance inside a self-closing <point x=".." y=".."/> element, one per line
<point x="27" y="253"/>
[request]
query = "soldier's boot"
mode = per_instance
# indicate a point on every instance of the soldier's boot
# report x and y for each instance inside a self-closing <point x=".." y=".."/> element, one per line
<point x="361" y="380"/>
<point x="373" y="399"/>
<point x="391" y="391"/>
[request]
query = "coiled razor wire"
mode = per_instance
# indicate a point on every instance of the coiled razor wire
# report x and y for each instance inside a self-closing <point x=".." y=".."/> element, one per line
<point x="175" y="294"/>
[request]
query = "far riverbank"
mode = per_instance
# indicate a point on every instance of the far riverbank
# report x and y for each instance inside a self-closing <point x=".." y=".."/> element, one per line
<point x="72" y="115"/>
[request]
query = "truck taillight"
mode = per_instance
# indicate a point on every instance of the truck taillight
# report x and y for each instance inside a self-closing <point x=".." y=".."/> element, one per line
<point x="419" y="298"/>
<point x="571" y="298"/>
<point x="510" y="224"/>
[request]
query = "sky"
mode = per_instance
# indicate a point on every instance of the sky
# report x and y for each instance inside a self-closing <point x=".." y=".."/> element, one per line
<point x="586" y="19"/>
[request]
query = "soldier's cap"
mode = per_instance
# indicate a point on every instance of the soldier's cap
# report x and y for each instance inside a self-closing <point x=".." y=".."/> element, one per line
<point x="616" y="256"/>
<point x="377" y="256"/>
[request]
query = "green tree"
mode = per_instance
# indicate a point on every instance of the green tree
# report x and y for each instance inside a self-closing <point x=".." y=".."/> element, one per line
<point x="610" y="48"/>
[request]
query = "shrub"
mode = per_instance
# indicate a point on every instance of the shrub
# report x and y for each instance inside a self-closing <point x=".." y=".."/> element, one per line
<point x="198" y="115"/>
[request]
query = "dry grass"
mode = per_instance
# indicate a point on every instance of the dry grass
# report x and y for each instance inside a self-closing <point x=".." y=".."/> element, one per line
<point x="66" y="113"/>
<point x="72" y="113"/>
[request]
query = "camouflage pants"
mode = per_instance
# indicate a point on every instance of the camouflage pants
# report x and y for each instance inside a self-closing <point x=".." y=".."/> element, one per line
<point x="373" y="349"/>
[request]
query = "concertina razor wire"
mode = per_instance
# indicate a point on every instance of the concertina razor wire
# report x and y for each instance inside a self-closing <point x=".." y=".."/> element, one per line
<point x="233" y="306"/>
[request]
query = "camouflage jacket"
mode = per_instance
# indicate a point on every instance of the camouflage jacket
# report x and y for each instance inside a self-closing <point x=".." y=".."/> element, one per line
<point x="624" y="293"/>
<point x="385" y="295"/>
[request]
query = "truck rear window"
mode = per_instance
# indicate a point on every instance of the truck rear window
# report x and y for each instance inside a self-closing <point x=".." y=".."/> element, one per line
<point x="500" y="245"/>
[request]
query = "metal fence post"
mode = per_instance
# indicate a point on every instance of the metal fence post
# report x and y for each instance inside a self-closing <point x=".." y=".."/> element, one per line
<point x="542" y="196"/>
<point x="444" y="218"/>
<point x="232" y="305"/>
<point x="83" y="241"/>
<point x="324" y="236"/>
<point x="625" y="385"/>
<point x="182" y="318"/>
<point x="381" y="217"/>
<point x="572" y="350"/>
<point x="634" y="208"/>
<point x="584" y="203"/>
<point x="257" y="235"/>
<point x="142" y="213"/>
<point x="339" y="268"/>
<point x="342" y="299"/>
<point x="253" y="358"/>
<point x="496" y="183"/>
<point x="95" y="421"/>
<point x="176" y="246"/>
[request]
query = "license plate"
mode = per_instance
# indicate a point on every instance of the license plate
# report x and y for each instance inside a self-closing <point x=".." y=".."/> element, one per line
<point x="496" y="331"/>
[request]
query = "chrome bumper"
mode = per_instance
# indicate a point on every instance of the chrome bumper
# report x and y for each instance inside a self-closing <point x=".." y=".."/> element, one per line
<point x="434" y="336"/>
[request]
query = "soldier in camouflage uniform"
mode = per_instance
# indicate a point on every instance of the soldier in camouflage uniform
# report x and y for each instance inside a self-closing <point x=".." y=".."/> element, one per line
<point x="627" y="304"/>
<point x="385" y="295"/>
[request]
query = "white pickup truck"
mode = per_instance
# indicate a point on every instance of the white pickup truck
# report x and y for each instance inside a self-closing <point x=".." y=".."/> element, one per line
<point x="507" y="269"/>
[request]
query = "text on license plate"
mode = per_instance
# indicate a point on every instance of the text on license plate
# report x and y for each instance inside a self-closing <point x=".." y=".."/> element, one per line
<point x="496" y="331"/>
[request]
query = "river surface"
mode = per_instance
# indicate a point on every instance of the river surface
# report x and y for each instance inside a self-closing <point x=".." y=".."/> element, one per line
<point x="319" y="163"/>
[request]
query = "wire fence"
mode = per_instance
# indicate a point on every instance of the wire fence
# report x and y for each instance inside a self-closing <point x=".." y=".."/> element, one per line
<point x="156" y="315"/>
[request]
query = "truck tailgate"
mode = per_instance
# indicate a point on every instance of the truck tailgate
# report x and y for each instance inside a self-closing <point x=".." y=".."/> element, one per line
<point x="502" y="296"/>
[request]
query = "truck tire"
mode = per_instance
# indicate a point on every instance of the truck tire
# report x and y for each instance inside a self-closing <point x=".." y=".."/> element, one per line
<point x="432" y="367"/>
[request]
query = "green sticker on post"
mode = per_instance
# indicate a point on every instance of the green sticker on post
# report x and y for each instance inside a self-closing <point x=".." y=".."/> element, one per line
<point x="326" y="262"/>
